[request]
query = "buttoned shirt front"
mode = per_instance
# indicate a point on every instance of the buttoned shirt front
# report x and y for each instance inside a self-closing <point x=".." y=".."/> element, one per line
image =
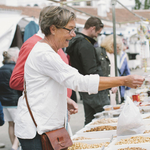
<point x="47" y="79"/>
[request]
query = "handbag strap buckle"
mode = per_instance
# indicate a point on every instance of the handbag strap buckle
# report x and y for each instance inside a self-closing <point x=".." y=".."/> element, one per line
<point x="61" y="141"/>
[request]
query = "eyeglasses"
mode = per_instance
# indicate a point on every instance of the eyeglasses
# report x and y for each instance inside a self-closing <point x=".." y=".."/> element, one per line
<point x="71" y="31"/>
<point x="102" y="25"/>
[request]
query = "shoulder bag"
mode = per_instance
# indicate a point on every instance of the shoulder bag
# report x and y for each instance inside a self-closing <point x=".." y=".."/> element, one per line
<point x="58" y="139"/>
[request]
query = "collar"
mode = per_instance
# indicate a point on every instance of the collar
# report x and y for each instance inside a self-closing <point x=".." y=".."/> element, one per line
<point x="9" y="62"/>
<point x="91" y="40"/>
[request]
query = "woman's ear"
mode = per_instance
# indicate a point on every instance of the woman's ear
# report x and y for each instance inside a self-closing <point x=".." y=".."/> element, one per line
<point x="52" y="29"/>
<point x="93" y="27"/>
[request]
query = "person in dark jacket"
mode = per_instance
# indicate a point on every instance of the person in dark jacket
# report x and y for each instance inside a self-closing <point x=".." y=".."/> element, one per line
<point x="83" y="57"/>
<point x="1" y="122"/>
<point x="106" y="57"/>
<point x="8" y="96"/>
<point x="1" y="115"/>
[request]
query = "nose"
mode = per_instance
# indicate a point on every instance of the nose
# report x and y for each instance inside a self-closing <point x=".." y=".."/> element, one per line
<point x="73" y="34"/>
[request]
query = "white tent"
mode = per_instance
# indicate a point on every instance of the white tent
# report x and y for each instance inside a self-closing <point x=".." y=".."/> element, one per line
<point x="8" y="22"/>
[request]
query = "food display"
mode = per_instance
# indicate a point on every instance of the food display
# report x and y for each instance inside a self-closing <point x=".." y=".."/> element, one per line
<point x="132" y="148"/>
<point x="147" y="131"/>
<point x="147" y="117"/>
<point x="133" y="140"/>
<point x="81" y="138"/>
<point x="104" y="121"/>
<point x="107" y="107"/>
<point x="136" y="98"/>
<point x="142" y="93"/>
<point x="79" y="145"/>
<point x="102" y="131"/>
<point x="102" y="128"/>
<point x="116" y="107"/>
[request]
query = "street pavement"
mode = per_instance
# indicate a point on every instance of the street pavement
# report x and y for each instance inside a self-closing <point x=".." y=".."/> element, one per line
<point x="76" y="121"/>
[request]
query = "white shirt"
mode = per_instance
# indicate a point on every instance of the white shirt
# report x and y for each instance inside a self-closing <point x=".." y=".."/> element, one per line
<point x="47" y="79"/>
<point x="112" y="74"/>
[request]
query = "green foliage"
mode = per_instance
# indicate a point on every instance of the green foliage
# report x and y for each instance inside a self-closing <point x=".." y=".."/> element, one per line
<point x="139" y="5"/>
<point x="147" y="4"/>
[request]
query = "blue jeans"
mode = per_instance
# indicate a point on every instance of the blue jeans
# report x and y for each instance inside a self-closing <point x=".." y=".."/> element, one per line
<point x="1" y="115"/>
<point x="31" y="144"/>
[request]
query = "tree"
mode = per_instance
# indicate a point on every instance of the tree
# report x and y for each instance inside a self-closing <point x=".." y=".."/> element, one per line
<point x="147" y="4"/>
<point x="140" y="4"/>
<point x="137" y="4"/>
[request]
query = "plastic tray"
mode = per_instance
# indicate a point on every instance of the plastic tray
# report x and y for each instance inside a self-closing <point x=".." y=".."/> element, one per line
<point x="92" y="126"/>
<point x="124" y="137"/>
<point x="144" y="109"/>
<point x="113" y="147"/>
<point x="106" y="114"/>
<point x="92" y="141"/>
<point x="96" y="134"/>
<point x="145" y="115"/>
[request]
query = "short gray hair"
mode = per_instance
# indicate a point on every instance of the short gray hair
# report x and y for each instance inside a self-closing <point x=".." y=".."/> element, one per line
<point x="42" y="13"/>
<point x="57" y="16"/>
<point x="11" y="55"/>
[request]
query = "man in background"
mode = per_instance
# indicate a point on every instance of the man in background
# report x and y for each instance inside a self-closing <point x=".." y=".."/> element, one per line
<point x="83" y="57"/>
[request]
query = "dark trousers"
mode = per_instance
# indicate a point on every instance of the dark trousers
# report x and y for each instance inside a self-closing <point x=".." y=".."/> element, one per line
<point x="31" y="144"/>
<point x="122" y="99"/>
<point x="89" y="112"/>
<point x="73" y="96"/>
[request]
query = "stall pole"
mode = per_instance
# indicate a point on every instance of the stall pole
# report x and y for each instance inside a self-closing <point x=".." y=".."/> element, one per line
<point x="113" y="2"/>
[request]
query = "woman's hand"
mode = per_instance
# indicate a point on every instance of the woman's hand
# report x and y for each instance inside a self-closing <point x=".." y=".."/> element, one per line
<point x="133" y="81"/>
<point x="114" y="90"/>
<point x="72" y="106"/>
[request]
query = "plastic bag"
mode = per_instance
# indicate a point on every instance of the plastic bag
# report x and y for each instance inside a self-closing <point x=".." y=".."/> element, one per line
<point x="128" y="93"/>
<point x="130" y="120"/>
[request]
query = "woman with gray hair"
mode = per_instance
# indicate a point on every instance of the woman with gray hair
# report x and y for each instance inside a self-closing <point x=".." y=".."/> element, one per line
<point x="9" y="97"/>
<point x="47" y="78"/>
